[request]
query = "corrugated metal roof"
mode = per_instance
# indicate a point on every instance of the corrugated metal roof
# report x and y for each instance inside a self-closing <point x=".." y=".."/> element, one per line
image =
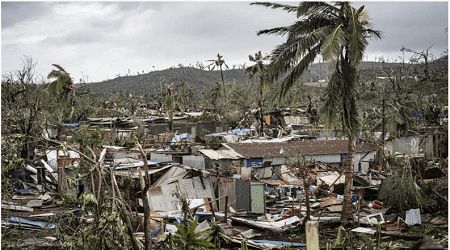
<point x="314" y="147"/>
<point x="221" y="154"/>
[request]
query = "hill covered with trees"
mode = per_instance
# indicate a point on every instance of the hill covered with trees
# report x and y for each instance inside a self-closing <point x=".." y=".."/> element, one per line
<point x="203" y="79"/>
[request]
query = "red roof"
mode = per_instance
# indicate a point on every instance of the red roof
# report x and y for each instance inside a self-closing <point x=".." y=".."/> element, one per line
<point x="313" y="147"/>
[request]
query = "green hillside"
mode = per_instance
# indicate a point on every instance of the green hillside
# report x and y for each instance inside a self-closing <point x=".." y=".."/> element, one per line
<point x="201" y="79"/>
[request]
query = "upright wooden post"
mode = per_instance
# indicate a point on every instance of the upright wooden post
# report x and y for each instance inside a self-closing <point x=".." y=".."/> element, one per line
<point x="40" y="178"/>
<point x="211" y="206"/>
<point x="359" y="204"/>
<point x="226" y="209"/>
<point x="61" y="174"/>
<point x="312" y="235"/>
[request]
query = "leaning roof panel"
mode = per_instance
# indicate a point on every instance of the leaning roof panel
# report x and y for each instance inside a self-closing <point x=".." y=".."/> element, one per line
<point x="313" y="147"/>
<point x="221" y="154"/>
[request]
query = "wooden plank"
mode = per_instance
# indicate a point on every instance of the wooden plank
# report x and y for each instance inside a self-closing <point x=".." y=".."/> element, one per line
<point x="312" y="235"/>
<point x="17" y="208"/>
<point x="34" y="203"/>
<point x="330" y="201"/>
<point x="208" y="207"/>
<point x="335" y="208"/>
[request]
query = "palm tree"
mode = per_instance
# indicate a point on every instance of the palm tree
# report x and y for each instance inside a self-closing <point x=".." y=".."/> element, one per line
<point x="264" y="81"/>
<point x="400" y="116"/>
<point x="218" y="63"/>
<point x="59" y="89"/>
<point x="338" y="33"/>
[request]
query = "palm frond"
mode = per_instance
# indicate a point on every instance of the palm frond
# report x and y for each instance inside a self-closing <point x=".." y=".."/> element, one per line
<point x="311" y="40"/>
<point x="374" y="34"/>
<point x="292" y="77"/>
<point x="333" y="92"/>
<point x="279" y="31"/>
<point x="357" y="41"/>
<point x="59" y="68"/>
<point x="333" y="45"/>
<point x="310" y="24"/>
<point x="307" y="7"/>
<point x="287" y="8"/>
<point x="282" y="60"/>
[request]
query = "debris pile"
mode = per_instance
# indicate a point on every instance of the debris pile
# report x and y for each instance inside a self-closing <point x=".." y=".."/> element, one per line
<point x="246" y="191"/>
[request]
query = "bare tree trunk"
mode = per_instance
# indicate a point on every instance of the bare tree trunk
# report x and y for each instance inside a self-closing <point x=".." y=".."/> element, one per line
<point x="224" y="88"/>
<point x="308" y="210"/>
<point x="171" y="121"/>
<point x="145" y="185"/>
<point x="347" y="213"/>
<point x="261" y="102"/>
<point x="134" y="241"/>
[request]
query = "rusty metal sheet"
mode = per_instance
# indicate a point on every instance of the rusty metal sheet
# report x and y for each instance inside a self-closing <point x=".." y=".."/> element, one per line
<point x="161" y="198"/>
<point x="242" y="195"/>
<point x="193" y="188"/>
<point x="194" y="161"/>
<point x="227" y="186"/>
<point x="265" y="173"/>
<point x="245" y="173"/>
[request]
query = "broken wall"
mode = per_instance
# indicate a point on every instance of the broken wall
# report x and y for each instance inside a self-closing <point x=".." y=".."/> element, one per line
<point x="194" y="161"/>
<point x="160" y="157"/>
<point x="403" y="145"/>
<point x="162" y="197"/>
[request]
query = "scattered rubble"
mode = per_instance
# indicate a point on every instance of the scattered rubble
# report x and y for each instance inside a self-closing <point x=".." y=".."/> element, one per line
<point x="243" y="184"/>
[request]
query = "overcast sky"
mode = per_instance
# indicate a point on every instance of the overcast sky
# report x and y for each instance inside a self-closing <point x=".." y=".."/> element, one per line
<point x="98" y="40"/>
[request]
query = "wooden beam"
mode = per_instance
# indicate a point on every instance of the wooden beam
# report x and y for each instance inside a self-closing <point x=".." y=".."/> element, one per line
<point x="312" y="235"/>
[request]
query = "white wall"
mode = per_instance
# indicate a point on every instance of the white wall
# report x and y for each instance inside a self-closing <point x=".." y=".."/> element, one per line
<point x="330" y="159"/>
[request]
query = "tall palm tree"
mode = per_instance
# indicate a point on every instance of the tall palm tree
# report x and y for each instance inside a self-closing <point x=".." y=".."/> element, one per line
<point x="338" y="33"/>
<point x="218" y="63"/>
<point x="260" y="69"/>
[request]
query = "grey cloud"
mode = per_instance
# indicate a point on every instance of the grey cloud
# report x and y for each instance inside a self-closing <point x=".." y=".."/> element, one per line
<point x="142" y="34"/>
<point x="17" y="12"/>
<point x="76" y="37"/>
<point x="416" y="25"/>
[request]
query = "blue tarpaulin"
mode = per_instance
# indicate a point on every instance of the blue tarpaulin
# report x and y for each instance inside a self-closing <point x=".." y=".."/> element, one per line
<point x="258" y="161"/>
<point x="23" y="191"/>
<point x="31" y="222"/>
<point x="237" y="131"/>
<point x="280" y="243"/>
<point x="415" y="114"/>
<point x="71" y="124"/>
<point x="156" y="230"/>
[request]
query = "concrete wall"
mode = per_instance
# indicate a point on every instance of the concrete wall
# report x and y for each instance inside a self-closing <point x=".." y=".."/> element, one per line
<point x="194" y="161"/>
<point x="404" y="145"/>
<point x="183" y="126"/>
<point x="330" y="159"/>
